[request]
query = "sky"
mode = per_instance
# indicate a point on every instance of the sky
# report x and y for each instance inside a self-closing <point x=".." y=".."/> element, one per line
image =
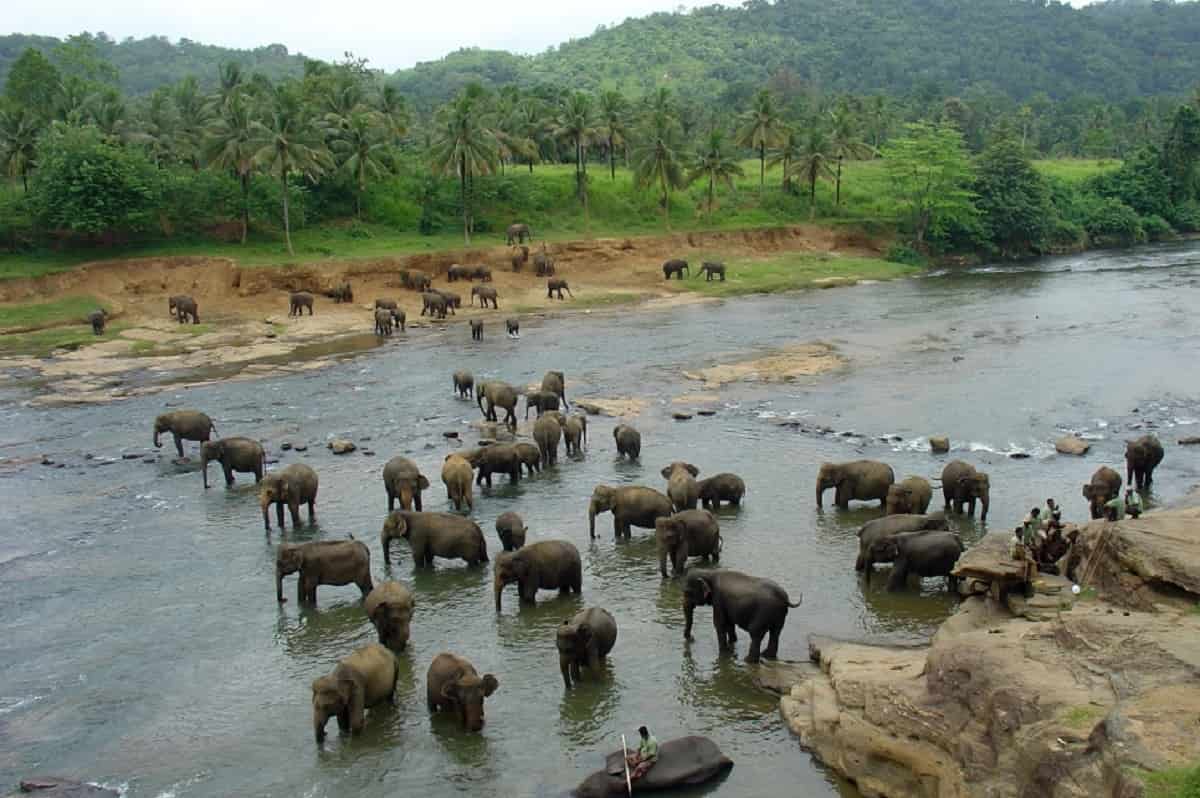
<point x="391" y="34"/>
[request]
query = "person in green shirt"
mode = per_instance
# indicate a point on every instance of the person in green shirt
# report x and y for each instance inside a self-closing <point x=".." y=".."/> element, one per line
<point x="1030" y="527"/>
<point x="1133" y="503"/>
<point x="1114" y="508"/>
<point x="646" y="755"/>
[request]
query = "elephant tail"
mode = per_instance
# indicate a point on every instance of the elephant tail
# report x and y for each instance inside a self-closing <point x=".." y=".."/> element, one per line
<point x="798" y="602"/>
<point x="213" y="426"/>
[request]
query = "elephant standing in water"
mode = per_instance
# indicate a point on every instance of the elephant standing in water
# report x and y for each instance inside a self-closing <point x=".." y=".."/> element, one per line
<point x="457" y="477"/>
<point x="430" y="535"/>
<point x="909" y="496"/>
<point x="189" y="425"/>
<point x="555" y="382"/>
<point x="682" y="762"/>
<point x="860" y="480"/>
<point x="574" y="433"/>
<point x="511" y="529"/>
<point x="493" y="394"/>
<point x="499" y="458"/>
<point x="719" y="488"/>
<point x="390" y="608"/>
<point x="962" y="484"/>
<point x="404" y="481"/>
<point x="366" y="678"/>
<point x="547" y="432"/>
<point x="682" y="487"/>
<point x="691" y="533"/>
<point x="293" y="486"/>
<point x="234" y="454"/>
<point x="629" y="441"/>
<point x="757" y="605"/>
<point x="1142" y="456"/>
<point x="920" y="553"/>
<point x="545" y="565"/>
<point x="1104" y="486"/>
<point x="584" y="640"/>
<point x="452" y="684"/>
<point x="323" y="562"/>
<point x="464" y="384"/>
<point x="631" y="505"/>
<point x="879" y="529"/>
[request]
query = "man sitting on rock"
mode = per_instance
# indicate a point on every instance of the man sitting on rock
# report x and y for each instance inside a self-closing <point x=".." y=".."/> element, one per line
<point x="1133" y="503"/>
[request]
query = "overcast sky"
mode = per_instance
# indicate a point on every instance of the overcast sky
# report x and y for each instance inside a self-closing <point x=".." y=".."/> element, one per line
<point x="390" y="33"/>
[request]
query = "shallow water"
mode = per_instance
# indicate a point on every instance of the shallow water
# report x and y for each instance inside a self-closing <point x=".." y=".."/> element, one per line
<point x="143" y="645"/>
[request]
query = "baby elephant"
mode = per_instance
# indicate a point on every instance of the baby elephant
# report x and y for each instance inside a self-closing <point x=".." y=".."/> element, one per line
<point x="556" y="286"/>
<point x="182" y="306"/>
<point x="682" y="487"/>
<point x="323" y="562"/>
<point x="385" y="322"/>
<point x="234" y="454"/>
<point x="676" y="267"/>
<point x="293" y="486"/>
<point x="299" y="301"/>
<point x="98" y="318"/>
<point x="457" y="476"/>
<point x="585" y="639"/>
<point x="511" y="529"/>
<point x="453" y="685"/>
<point x="513" y="327"/>
<point x="464" y="384"/>
<point x="724" y="487"/>
<point x="691" y="533"/>
<point x="709" y="269"/>
<point x="390" y="608"/>
<point x="366" y="678"/>
<point x="191" y="425"/>
<point x="629" y="441"/>
<point x="476" y="330"/>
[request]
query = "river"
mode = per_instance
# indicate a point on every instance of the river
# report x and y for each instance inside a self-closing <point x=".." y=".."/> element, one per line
<point x="143" y="645"/>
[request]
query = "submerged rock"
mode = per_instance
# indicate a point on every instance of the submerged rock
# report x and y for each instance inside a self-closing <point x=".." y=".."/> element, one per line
<point x="1070" y="444"/>
<point x="341" y="446"/>
<point x="1189" y="441"/>
<point x="52" y="787"/>
<point x="679" y="415"/>
<point x="939" y="444"/>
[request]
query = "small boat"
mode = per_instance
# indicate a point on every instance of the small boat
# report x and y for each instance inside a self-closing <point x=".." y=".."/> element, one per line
<point x="682" y="762"/>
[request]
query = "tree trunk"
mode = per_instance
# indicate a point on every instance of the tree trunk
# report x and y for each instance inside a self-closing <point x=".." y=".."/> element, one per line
<point x="462" y="183"/>
<point x="531" y="165"/>
<point x="287" y="227"/>
<point x="612" y="161"/>
<point x="762" y="165"/>
<point x="25" y="180"/>
<point x="838" y="190"/>
<point x="245" y="205"/>
<point x="812" y="196"/>
<point x="710" y="197"/>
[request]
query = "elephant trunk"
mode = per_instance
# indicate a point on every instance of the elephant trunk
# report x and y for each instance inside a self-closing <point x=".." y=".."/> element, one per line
<point x="204" y="466"/>
<point x="983" y="507"/>
<point x="498" y="589"/>
<point x="279" y="585"/>
<point x="688" y="610"/>
<point x="319" y="720"/>
<point x="592" y="520"/>
<point x="820" y="491"/>
<point x="564" y="667"/>
<point x="265" y="504"/>
<point x="406" y="495"/>
<point x="157" y="443"/>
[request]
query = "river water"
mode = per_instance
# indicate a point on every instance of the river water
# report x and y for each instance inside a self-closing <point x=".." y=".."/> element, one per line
<point x="143" y="647"/>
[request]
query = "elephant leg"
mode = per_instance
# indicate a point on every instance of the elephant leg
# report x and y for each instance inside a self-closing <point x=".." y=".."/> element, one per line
<point x="258" y="472"/>
<point x="365" y="586"/>
<point x="178" y="444"/>
<point x="417" y="500"/>
<point x="279" y="515"/>
<point x="391" y="500"/>
<point x="773" y="642"/>
<point x="723" y="642"/>
<point x="899" y="577"/>
<point x="294" y="509"/>
<point x="755" y="645"/>
<point x="228" y="475"/>
<point x="343" y="720"/>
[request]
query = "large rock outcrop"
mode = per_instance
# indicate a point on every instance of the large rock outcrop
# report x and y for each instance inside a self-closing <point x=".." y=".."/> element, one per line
<point x="1000" y="706"/>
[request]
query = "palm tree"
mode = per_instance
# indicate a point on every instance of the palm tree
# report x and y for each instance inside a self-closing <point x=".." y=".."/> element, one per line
<point x="613" y="111"/>
<point x="158" y="130"/>
<point x="393" y="112"/>
<point x="785" y="154"/>
<point x="761" y="128"/>
<point x="576" y="122"/>
<point x="656" y="158"/>
<point x="287" y="140"/>
<point x="360" y="144"/>
<point x="812" y="163"/>
<point x="107" y="111"/>
<point x="74" y="100"/>
<point x="845" y="142"/>
<point x="464" y="146"/>
<point x="193" y="118"/>
<point x="19" y="131"/>
<point x="715" y="163"/>
<point x="230" y="145"/>
<point x="528" y="124"/>
<point x="231" y="81"/>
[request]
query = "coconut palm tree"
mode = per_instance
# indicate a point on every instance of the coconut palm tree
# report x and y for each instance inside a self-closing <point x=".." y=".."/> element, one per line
<point x="108" y="113"/>
<point x="657" y="160"/>
<point x="230" y="144"/>
<point x="576" y="122"/>
<point x="464" y="146"/>
<point x="715" y="163"/>
<point x="529" y="125"/>
<point x="19" y="131"/>
<point x="393" y="112"/>
<point x="159" y="128"/>
<point x="812" y="163"/>
<point x="231" y="81"/>
<point x="761" y="128"/>
<point x="614" y="109"/>
<point x="193" y="119"/>
<point x="845" y="142"/>
<point x="784" y="154"/>
<point x="360" y="144"/>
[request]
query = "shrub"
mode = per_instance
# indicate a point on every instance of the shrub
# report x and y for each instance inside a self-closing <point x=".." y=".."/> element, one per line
<point x="1066" y="234"/>
<point x="1185" y="217"/>
<point x="1112" y="221"/>
<point x="903" y="253"/>
<point x="1156" y="228"/>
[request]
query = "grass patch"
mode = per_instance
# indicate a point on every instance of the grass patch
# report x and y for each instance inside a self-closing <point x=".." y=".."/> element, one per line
<point x="1083" y="717"/>
<point x="42" y="342"/>
<point x="142" y="348"/>
<point x="67" y="310"/>
<point x="196" y="329"/>
<point x="1181" y="782"/>
<point x="794" y="271"/>
<point x="1076" y="170"/>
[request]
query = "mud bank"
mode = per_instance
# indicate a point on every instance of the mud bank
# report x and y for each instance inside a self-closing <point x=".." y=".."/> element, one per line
<point x="1076" y="703"/>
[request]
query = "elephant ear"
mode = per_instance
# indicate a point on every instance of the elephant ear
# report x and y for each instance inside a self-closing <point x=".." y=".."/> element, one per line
<point x="705" y="589"/>
<point x="450" y="691"/>
<point x="585" y="632"/>
<point x="490" y="684"/>
<point x="423" y="482"/>
<point x="691" y="469"/>
<point x="666" y="472"/>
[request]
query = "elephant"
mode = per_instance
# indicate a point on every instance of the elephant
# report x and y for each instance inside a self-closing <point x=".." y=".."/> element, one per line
<point x="574" y="429"/>
<point x="498" y="394"/>
<point x="690" y="533"/>
<point x="98" y="318"/>
<point x="547" y="433"/>
<point x="1142" y="456"/>
<point x="724" y="487"/>
<point x="518" y="233"/>
<point x="486" y="294"/>
<point x="920" y="553"/>
<point x="631" y="505"/>
<point x="1105" y="486"/>
<point x="323" y="562"/>
<point x="555" y="287"/>
<point x="457" y="476"/>
<point x="366" y="678"/>
<point x="511" y="529"/>
<point x="384" y="321"/>
<point x="682" y="762"/>
<point x="520" y="258"/>
<point x="452" y="684"/>
<point x="234" y="454"/>
<point x="861" y="480"/>
<point x="629" y="441"/>
<point x="399" y="318"/>
<point x="342" y="292"/>
<point x="390" y="607"/>
<point x="757" y="605"/>
<point x="540" y="401"/>
<point x="457" y="272"/>
<point x="545" y="565"/>
<point x="299" y="301"/>
<point x="295" y="485"/>
<point x="430" y="535"/>
<point x="482" y="273"/>
<point x="710" y="269"/>
<point x="184" y="425"/>
<point x="453" y="300"/>
<point x="676" y="267"/>
<point x="476" y="329"/>
<point x="584" y="639"/>
<point x="543" y="264"/>
<point x="386" y="304"/>
<point x="682" y="487"/>
<point x="879" y="529"/>
<point x="497" y="459"/>
<point x="464" y="384"/>
<point x="911" y="495"/>
<point x="530" y="456"/>
<point x="555" y="382"/>
<point x="434" y="304"/>
<point x="415" y="280"/>
<point x="183" y="307"/>
<point x="962" y="484"/>
<point x="404" y="481"/>
<point x="513" y="328"/>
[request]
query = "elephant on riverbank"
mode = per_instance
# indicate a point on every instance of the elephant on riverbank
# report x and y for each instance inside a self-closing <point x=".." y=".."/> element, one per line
<point x="464" y="384"/>
<point x="184" y="425"/>
<point x="493" y="394"/>
<point x="234" y="454"/>
<point x="499" y="458"/>
<point x="682" y="488"/>
<point x="298" y="301"/>
<point x="1142" y="456"/>
<point x="545" y="565"/>
<point x="457" y="477"/>
<point x="879" y="529"/>
<point x="445" y="535"/>
<point x="631" y="505"/>
<point x="390" y="607"/>
<point x="541" y="401"/>
<point x="295" y="485"/>
<point x="582" y="640"/>
<point x="859" y="480"/>
<point x="342" y="292"/>
<point x="453" y="685"/>
<point x="757" y="605"/>
<point x="710" y="270"/>
<point x="690" y="533"/>
<point x="476" y="326"/>
<point x="909" y="496"/>
<point x="403" y="481"/>
<point x="921" y="553"/>
<point x="555" y="287"/>
<point x="385" y="321"/>
<point x="98" y="318"/>
<point x="518" y="233"/>
<point x="323" y="562"/>
<point x="486" y="294"/>
<point x="183" y="307"/>
<point x="629" y="441"/>
<point x="366" y="678"/>
<point x="962" y="484"/>
<point x="1104" y="486"/>
<point x="519" y="258"/>
<point x="547" y="432"/>
<point x="434" y="304"/>
<point x="543" y="264"/>
<point x="724" y="487"/>
<point x="676" y="267"/>
<point x="511" y="529"/>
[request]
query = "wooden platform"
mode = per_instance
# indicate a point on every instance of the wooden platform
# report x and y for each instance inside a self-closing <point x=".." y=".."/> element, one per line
<point x="989" y="562"/>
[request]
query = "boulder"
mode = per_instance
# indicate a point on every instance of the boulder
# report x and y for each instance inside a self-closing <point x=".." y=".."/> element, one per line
<point x="679" y="415"/>
<point x="341" y="446"/>
<point x="1192" y="441"/>
<point x="939" y="444"/>
<point x="707" y="412"/>
<point x="52" y="787"/>
<point x="301" y="447"/>
<point x="1070" y="444"/>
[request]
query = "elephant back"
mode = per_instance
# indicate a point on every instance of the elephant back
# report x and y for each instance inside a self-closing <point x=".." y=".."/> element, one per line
<point x="387" y="593"/>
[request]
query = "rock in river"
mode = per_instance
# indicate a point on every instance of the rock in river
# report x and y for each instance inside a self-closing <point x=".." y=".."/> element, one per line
<point x="341" y="446"/>
<point x="51" y="787"/>
<point x="939" y="444"/>
<point x="1069" y="444"/>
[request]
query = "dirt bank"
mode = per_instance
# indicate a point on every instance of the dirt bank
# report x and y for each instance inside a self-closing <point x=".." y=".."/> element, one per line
<point x="1075" y="703"/>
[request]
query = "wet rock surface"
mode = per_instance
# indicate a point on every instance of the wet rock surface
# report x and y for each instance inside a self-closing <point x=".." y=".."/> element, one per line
<point x="52" y="787"/>
<point x="1070" y="444"/>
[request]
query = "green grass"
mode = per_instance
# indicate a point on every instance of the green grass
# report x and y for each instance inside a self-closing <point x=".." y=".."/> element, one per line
<point x="1083" y="717"/>
<point x="793" y="271"/>
<point x="42" y="342"/>
<point x="67" y="310"/>
<point x="142" y="348"/>
<point x="1075" y="170"/>
<point x="1181" y="782"/>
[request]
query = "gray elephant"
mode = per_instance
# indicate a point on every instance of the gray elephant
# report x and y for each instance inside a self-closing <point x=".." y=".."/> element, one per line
<point x="385" y="322"/>
<point x="483" y="273"/>
<point x="690" y="533"/>
<point x="555" y="287"/>
<point x="724" y="487"/>
<point x="676" y="267"/>
<point x="513" y="327"/>
<point x="456" y="272"/>
<point x="543" y="264"/>
<point x="98" y="318"/>
<point x="486" y="293"/>
<point x="493" y="394"/>
<point x="386" y="304"/>
<point x="920" y="553"/>
<point x="879" y="529"/>
<point x="234" y="454"/>
<point x="859" y="480"/>
<point x="710" y="270"/>
<point x="757" y="605"/>
<point x="541" y="401"/>
<point x="530" y="456"/>
<point x="574" y="430"/>
<point x="453" y="300"/>
<point x="464" y="384"/>
<point x="962" y="484"/>
<point x="682" y="488"/>
<point x="547" y="432"/>
<point x="1142" y="456"/>
<point x="342" y="292"/>
<point x="629" y="441"/>
<point x="323" y="562"/>
<point x="295" y="485"/>
<point x="183" y="307"/>
<point x="682" y="762"/>
<point x="555" y="382"/>
<point x="184" y="425"/>
<point x="434" y="304"/>
<point x="390" y="607"/>
<point x="403" y="481"/>
<point x="545" y="565"/>
<point x="631" y="505"/>
<point x="519" y="258"/>
<point x="511" y="529"/>
<point x="430" y="535"/>
<point x="457" y="476"/>
<point x="415" y="280"/>
<point x="500" y="458"/>
<point x="909" y="496"/>
<point x="1104" y="486"/>
<point x="298" y="301"/>
<point x="582" y="640"/>
<point x="476" y="326"/>
<point x="453" y="685"/>
<point x="366" y="678"/>
<point x="518" y="233"/>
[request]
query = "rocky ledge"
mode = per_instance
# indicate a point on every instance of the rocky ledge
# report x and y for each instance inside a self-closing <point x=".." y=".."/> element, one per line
<point x="1077" y="702"/>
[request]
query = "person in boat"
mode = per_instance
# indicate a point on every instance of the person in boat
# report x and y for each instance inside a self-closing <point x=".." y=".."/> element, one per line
<point x="1133" y="503"/>
<point x="646" y="755"/>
